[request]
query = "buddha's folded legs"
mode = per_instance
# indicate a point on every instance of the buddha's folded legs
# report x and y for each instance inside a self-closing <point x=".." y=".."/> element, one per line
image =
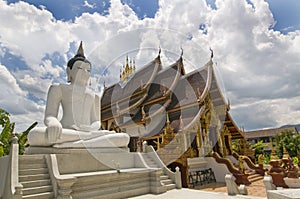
<point x="72" y="138"/>
<point x="108" y="140"/>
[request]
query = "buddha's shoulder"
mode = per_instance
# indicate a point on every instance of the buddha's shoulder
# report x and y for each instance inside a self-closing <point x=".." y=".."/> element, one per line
<point x="60" y="87"/>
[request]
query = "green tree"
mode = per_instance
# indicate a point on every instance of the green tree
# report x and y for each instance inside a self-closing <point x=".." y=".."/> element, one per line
<point x="288" y="140"/>
<point x="258" y="149"/>
<point x="7" y="134"/>
<point x="236" y="146"/>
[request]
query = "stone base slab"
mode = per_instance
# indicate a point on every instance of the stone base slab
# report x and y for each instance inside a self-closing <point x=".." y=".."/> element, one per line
<point x="51" y="150"/>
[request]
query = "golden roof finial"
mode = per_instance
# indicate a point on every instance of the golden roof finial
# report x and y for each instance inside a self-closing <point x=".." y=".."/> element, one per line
<point x="143" y="114"/>
<point x="181" y="125"/>
<point x="167" y="119"/>
<point x="127" y="69"/>
<point x="104" y="86"/>
<point x="228" y="105"/>
<point x="130" y="67"/>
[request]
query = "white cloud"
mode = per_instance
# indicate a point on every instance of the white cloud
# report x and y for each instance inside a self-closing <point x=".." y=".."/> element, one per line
<point x="32" y="32"/>
<point x="87" y="4"/>
<point x="13" y="99"/>
<point x="259" y="66"/>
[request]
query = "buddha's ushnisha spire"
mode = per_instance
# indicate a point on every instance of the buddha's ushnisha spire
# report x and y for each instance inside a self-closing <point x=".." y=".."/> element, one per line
<point x="181" y="51"/>
<point x="80" y="51"/>
<point x="211" y="53"/>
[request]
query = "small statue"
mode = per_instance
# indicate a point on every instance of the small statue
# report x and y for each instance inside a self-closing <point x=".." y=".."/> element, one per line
<point x="260" y="159"/>
<point x="80" y="123"/>
<point x="241" y="164"/>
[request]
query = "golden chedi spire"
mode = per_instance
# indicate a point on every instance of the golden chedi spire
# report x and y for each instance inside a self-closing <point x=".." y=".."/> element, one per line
<point x="128" y="69"/>
<point x="285" y="153"/>
<point x="274" y="157"/>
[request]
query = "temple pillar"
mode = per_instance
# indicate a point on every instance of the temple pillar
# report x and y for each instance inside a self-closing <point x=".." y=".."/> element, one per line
<point x="199" y="142"/>
<point x="230" y="144"/>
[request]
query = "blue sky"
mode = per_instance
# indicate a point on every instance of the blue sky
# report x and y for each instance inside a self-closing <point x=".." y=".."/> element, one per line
<point x="286" y="13"/>
<point x="255" y="43"/>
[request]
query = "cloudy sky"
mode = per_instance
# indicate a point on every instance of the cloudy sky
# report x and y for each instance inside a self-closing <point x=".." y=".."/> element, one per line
<point x="256" y="45"/>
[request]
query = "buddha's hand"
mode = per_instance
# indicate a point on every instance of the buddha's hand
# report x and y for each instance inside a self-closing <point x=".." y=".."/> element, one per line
<point x="54" y="132"/>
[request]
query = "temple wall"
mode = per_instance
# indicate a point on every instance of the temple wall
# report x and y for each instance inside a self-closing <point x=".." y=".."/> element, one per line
<point x="79" y="163"/>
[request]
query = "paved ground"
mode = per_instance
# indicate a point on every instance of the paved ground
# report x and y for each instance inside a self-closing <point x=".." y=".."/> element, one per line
<point x="256" y="190"/>
<point x="193" y="194"/>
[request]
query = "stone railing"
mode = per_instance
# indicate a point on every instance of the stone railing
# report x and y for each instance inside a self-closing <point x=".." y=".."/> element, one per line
<point x="241" y="178"/>
<point x="174" y="176"/>
<point x="61" y="184"/>
<point x="13" y="189"/>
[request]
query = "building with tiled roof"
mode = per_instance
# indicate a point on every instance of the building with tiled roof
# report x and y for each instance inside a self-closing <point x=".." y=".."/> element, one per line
<point x="266" y="135"/>
<point x="181" y="115"/>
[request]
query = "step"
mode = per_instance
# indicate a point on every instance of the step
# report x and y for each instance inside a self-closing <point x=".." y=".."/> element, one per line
<point x="170" y="186"/>
<point x="32" y="159"/>
<point x="46" y="195"/>
<point x="26" y="178"/>
<point x="94" y="184"/>
<point x="254" y="176"/>
<point x="36" y="190"/>
<point x="36" y="183"/>
<point x="164" y="177"/>
<point x="166" y="182"/>
<point x="32" y="166"/>
<point x="107" y="192"/>
<point x="33" y="171"/>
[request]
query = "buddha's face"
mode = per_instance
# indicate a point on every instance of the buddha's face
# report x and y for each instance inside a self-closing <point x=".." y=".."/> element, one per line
<point x="80" y="73"/>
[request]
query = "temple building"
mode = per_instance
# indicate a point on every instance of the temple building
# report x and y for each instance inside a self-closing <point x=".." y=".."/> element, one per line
<point x="182" y="115"/>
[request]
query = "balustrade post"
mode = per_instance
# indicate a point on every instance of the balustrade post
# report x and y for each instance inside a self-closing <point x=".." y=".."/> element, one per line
<point x="178" y="178"/>
<point x="64" y="188"/>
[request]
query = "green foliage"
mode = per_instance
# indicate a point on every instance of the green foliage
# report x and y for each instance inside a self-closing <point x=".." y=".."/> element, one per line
<point x="288" y="140"/>
<point x="7" y="134"/>
<point x="258" y="149"/>
<point x="22" y="138"/>
<point x="267" y="158"/>
<point x="4" y="117"/>
<point x="295" y="160"/>
<point x="236" y="146"/>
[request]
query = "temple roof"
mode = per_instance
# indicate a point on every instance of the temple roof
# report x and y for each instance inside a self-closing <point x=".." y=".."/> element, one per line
<point x="159" y="93"/>
<point x="125" y="95"/>
<point x="182" y="95"/>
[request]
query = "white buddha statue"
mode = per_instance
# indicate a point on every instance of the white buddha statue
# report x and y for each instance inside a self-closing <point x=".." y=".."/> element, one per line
<point x="80" y="123"/>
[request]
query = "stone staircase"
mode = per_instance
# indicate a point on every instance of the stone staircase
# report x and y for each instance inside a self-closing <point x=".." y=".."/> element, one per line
<point x="111" y="185"/>
<point x="167" y="182"/>
<point x="34" y="176"/>
<point x="164" y="179"/>
<point x="149" y="161"/>
<point x="253" y="177"/>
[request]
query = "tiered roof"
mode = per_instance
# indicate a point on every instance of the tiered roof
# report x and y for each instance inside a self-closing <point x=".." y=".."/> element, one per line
<point x="181" y="95"/>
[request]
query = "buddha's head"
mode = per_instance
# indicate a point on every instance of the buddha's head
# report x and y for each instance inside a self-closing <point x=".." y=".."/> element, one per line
<point x="78" y="68"/>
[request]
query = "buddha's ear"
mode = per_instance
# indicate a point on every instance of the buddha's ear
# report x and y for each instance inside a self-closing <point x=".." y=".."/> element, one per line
<point x="68" y="75"/>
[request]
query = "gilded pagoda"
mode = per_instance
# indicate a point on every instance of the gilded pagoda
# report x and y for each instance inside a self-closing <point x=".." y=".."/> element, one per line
<point x="182" y="115"/>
